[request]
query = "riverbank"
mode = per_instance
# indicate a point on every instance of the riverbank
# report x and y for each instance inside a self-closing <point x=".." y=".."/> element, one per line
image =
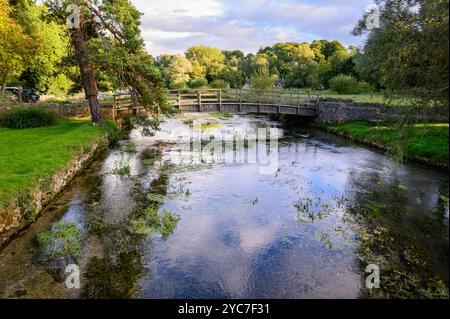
<point x="37" y="164"/>
<point x="427" y="144"/>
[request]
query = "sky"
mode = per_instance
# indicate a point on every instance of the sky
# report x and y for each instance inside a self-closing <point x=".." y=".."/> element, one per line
<point x="172" y="26"/>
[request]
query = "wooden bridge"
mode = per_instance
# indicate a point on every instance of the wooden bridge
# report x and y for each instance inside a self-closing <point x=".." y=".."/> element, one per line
<point x="245" y="101"/>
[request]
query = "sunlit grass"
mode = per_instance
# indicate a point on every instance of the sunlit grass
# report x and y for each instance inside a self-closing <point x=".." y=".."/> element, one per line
<point x="421" y="140"/>
<point x="31" y="154"/>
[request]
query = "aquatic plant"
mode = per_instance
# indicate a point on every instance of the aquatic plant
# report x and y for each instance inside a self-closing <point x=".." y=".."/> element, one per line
<point x="130" y="148"/>
<point x="169" y="223"/>
<point x="122" y="169"/>
<point x="60" y="241"/>
<point x="149" y="221"/>
<point x="113" y="131"/>
<point x="150" y="155"/>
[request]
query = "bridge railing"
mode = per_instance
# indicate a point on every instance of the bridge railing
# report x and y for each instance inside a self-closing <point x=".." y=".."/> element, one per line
<point x="198" y="98"/>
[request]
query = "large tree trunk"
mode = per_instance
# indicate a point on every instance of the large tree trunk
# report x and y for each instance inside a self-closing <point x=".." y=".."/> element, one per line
<point x="87" y="71"/>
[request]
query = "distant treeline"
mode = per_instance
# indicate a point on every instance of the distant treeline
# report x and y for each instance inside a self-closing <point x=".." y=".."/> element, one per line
<point x="407" y="54"/>
<point x="290" y="65"/>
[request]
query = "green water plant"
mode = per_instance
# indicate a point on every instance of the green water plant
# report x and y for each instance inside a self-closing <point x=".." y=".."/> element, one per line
<point x="62" y="240"/>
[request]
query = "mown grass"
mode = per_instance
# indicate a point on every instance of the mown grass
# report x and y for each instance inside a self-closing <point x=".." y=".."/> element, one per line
<point x="428" y="141"/>
<point x="29" y="155"/>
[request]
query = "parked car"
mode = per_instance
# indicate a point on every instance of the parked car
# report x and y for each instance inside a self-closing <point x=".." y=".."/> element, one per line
<point x="28" y="95"/>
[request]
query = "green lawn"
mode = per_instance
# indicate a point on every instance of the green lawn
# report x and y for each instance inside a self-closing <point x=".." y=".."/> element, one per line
<point x="428" y="141"/>
<point x="30" y="154"/>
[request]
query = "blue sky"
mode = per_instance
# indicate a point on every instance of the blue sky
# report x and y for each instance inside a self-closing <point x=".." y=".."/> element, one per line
<point x="171" y="26"/>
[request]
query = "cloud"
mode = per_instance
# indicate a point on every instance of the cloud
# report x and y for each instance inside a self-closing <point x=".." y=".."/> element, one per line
<point x="172" y="26"/>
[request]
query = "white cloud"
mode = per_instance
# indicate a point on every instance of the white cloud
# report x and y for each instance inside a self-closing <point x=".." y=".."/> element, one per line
<point x="173" y="8"/>
<point x="171" y="26"/>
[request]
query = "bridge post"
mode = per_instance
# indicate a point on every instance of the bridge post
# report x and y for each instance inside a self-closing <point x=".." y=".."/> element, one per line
<point x="240" y="100"/>
<point x="199" y="100"/>
<point x="220" y="100"/>
<point x="179" y="101"/>
<point x="259" y="102"/>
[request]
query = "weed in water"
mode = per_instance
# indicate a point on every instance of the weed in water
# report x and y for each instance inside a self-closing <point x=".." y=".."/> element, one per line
<point x="169" y="223"/>
<point x="62" y="240"/>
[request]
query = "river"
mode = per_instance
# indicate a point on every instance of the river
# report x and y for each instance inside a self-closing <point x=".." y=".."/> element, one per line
<point x="312" y="217"/>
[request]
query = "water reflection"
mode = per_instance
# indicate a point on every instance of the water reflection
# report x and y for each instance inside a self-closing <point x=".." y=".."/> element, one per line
<point x="306" y="231"/>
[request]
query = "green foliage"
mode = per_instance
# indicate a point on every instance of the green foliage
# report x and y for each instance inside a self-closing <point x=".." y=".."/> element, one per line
<point x="219" y="84"/>
<point x="206" y="62"/>
<point x="28" y="117"/>
<point x="409" y="53"/>
<point x="150" y="155"/>
<point x="122" y="169"/>
<point x="30" y="216"/>
<point x="14" y="44"/>
<point x="179" y="69"/>
<point x="304" y="74"/>
<point x="130" y="148"/>
<point x="149" y="221"/>
<point x="261" y="80"/>
<point x="344" y="84"/>
<point x="179" y="86"/>
<point x="169" y="223"/>
<point x="61" y="241"/>
<point x="198" y="84"/>
<point x="113" y="131"/>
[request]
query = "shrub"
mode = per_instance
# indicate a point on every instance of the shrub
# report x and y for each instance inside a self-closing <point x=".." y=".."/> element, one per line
<point x="198" y="84"/>
<point x="22" y="117"/>
<point x="113" y="131"/>
<point x="262" y="80"/>
<point x="178" y="86"/>
<point x="344" y="84"/>
<point x="219" y="84"/>
<point x="365" y="87"/>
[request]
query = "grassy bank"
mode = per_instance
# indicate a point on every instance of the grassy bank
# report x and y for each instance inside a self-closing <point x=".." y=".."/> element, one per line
<point x="426" y="143"/>
<point x="31" y="154"/>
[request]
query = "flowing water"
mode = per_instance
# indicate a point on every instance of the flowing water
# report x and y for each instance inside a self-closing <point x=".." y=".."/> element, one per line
<point x="306" y="226"/>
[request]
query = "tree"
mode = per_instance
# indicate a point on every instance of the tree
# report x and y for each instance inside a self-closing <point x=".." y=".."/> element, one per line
<point x="410" y="49"/>
<point x="108" y="39"/>
<point x="304" y="74"/>
<point x="206" y="61"/>
<point x="179" y="69"/>
<point x="262" y="80"/>
<point x="14" y="44"/>
<point x="49" y="46"/>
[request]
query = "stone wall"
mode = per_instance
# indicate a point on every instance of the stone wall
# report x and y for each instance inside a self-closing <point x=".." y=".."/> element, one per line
<point x="81" y="110"/>
<point x="334" y="110"/>
<point x="69" y="111"/>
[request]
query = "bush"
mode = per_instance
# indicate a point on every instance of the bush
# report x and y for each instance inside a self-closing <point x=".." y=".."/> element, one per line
<point x="344" y="84"/>
<point x="365" y="87"/>
<point x="113" y="131"/>
<point x="178" y="86"/>
<point x="198" y="84"/>
<point x="22" y="117"/>
<point x="262" y="80"/>
<point x="219" y="84"/>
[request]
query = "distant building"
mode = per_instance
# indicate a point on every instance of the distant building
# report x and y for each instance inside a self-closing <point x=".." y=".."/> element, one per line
<point x="279" y="84"/>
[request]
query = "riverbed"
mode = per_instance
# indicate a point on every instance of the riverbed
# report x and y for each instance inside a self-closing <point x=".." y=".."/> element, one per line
<point x="245" y="207"/>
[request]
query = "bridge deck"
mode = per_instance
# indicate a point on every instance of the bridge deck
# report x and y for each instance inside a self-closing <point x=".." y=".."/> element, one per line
<point x="245" y="101"/>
